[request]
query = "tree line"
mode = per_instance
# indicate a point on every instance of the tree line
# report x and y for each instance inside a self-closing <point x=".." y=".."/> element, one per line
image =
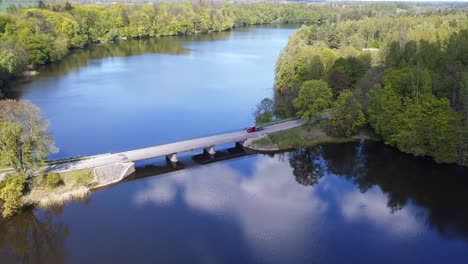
<point x="406" y="76"/>
<point x="46" y="33"/>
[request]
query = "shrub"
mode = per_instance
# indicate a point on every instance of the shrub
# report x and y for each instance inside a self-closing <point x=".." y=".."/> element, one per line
<point x="53" y="180"/>
<point x="11" y="191"/>
<point x="83" y="177"/>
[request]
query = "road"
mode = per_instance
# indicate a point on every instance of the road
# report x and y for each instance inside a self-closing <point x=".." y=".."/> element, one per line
<point x="171" y="148"/>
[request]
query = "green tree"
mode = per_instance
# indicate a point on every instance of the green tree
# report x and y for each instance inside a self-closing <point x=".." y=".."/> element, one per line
<point x="384" y="107"/>
<point x="427" y="128"/>
<point x="264" y="111"/>
<point x="347" y="115"/>
<point x="308" y="69"/>
<point x="314" y="97"/>
<point x="24" y="141"/>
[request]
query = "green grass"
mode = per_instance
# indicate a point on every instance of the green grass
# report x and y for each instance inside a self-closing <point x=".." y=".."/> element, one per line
<point x="308" y="136"/>
<point x="74" y="185"/>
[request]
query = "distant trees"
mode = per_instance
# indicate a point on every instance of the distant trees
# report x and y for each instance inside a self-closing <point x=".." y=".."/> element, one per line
<point x="46" y="33"/>
<point x="24" y="140"/>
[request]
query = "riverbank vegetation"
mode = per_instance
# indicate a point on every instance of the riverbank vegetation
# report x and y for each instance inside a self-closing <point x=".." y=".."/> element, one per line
<point x="404" y="75"/>
<point x="57" y="188"/>
<point x="307" y="136"/>
<point x="24" y="139"/>
<point x="24" y="147"/>
<point x="44" y="189"/>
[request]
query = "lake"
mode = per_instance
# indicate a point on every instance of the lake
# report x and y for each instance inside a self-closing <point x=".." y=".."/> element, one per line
<point x="352" y="202"/>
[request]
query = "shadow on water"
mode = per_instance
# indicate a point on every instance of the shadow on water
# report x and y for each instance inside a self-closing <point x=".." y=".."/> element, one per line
<point x="163" y="167"/>
<point x="439" y="189"/>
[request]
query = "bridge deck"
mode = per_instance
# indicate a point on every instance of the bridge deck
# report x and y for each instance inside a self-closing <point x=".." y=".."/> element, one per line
<point x="171" y="148"/>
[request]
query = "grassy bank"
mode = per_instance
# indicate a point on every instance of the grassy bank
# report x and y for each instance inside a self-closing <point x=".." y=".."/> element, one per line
<point x="68" y="185"/>
<point x="306" y="136"/>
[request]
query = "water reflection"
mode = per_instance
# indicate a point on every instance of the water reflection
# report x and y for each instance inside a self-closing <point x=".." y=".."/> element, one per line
<point x="439" y="189"/>
<point x="307" y="165"/>
<point x="391" y="193"/>
<point x="34" y="237"/>
<point x="255" y="201"/>
<point x="300" y="207"/>
<point x="371" y="207"/>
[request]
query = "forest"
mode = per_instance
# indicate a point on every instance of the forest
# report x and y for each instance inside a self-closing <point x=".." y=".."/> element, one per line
<point x="405" y="75"/>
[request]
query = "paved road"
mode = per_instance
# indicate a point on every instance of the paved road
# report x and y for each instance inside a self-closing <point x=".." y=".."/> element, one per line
<point x="168" y="149"/>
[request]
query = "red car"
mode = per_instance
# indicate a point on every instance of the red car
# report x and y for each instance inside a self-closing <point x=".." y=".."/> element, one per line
<point x="253" y="129"/>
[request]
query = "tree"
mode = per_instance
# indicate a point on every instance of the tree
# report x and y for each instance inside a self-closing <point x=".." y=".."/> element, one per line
<point x="347" y="116"/>
<point x="339" y="81"/>
<point x="68" y="7"/>
<point x="264" y="111"/>
<point x="314" y="97"/>
<point x="308" y="69"/>
<point x="384" y="107"/>
<point x="11" y="191"/>
<point x="345" y="72"/>
<point x="427" y="128"/>
<point x="24" y="141"/>
<point x="41" y="4"/>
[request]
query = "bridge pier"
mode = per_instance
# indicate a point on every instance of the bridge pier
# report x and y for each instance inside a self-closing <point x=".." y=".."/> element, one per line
<point x="209" y="150"/>
<point x="240" y="144"/>
<point x="172" y="158"/>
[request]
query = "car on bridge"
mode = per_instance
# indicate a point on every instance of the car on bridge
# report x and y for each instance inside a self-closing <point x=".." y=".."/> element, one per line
<point x="254" y="129"/>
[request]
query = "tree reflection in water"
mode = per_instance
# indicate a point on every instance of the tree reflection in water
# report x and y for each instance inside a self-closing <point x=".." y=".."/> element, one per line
<point x="306" y="165"/>
<point x="31" y="238"/>
<point x="439" y="189"/>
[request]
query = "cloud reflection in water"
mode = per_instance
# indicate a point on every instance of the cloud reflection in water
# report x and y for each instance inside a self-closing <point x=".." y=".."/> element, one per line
<point x="276" y="214"/>
<point x="271" y="208"/>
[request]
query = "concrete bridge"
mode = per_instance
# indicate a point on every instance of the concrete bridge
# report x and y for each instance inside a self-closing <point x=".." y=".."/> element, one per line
<point x="170" y="151"/>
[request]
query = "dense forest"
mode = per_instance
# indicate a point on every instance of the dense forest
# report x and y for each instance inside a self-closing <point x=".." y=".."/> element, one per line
<point x="405" y="75"/>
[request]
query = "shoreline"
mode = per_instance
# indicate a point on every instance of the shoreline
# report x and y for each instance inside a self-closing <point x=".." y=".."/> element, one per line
<point x="305" y="136"/>
<point x="33" y="72"/>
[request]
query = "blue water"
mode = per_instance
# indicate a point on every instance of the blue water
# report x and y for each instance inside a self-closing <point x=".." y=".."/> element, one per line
<point x="358" y="202"/>
<point x="143" y="93"/>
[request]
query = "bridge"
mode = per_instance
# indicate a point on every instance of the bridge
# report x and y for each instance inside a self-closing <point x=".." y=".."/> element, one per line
<point x="171" y="150"/>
